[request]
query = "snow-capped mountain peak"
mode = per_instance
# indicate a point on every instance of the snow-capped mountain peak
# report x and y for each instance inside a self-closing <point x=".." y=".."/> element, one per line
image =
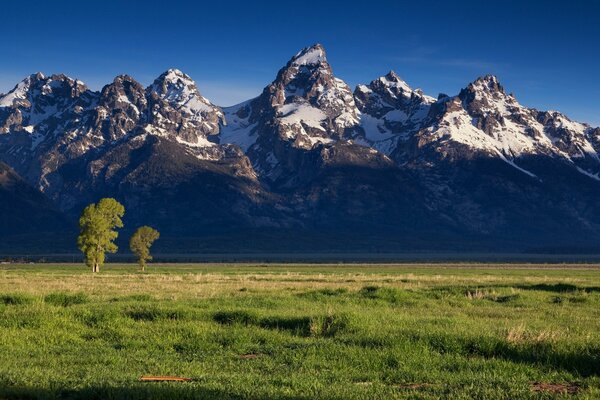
<point x="485" y="120"/>
<point x="393" y="81"/>
<point x="19" y="92"/>
<point x="178" y="109"/>
<point x="391" y="110"/>
<point x="174" y="86"/>
<point x="181" y="92"/>
<point x="313" y="55"/>
<point x="38" y="99"/>
<point x="311" y="105"/>
<point x="307" y="70"/>
<point x="26" y="89"/>
<point x="488" y="88"/>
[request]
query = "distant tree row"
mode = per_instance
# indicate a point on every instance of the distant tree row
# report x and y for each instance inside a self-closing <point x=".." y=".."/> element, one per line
<point x="98" y="224"/>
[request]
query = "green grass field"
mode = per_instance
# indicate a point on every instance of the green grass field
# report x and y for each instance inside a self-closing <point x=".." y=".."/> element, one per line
<point x="300" y="331"/>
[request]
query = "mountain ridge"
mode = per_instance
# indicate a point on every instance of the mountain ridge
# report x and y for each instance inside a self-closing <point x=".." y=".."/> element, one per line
<point x="309" y="154"/>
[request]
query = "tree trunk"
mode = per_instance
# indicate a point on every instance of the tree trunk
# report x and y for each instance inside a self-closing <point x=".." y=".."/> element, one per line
<point x="96" y="268"/>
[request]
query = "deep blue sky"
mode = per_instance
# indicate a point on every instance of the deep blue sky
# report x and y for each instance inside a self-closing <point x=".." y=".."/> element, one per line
<point x="546" y="52"/>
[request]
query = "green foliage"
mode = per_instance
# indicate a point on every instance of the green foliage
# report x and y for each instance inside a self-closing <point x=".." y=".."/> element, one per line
<point x="140" y="244"/>
<point x="97" y="224"/>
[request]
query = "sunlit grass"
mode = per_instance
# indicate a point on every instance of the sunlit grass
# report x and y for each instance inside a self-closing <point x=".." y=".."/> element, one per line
<point x="299" y="331"/>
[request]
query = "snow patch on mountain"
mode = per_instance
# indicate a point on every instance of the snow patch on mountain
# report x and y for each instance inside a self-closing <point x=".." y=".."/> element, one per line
<point x="301" y="113"/>
<point x="237" y="128"/>
<point x="18" y="93"/>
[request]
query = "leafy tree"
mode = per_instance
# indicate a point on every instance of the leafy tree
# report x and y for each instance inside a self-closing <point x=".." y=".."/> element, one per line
<point x="97" y="224"/>
<point x="140" y="244"/>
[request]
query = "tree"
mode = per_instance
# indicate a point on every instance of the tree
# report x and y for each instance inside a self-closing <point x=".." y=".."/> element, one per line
<point x="97" y="224"/>
<point x="140" y="244"/>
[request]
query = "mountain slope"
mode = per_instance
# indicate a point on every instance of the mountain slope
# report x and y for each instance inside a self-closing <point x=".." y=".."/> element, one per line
<point x="25" y="213"/>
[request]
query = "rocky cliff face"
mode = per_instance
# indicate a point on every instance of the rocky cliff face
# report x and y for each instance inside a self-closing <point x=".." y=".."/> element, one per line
<point x="308" y="154"/>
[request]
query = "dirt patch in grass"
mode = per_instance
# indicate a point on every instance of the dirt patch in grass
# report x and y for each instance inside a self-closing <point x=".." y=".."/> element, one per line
<point x="323" y="293"/>
<point x="555" y="388"/>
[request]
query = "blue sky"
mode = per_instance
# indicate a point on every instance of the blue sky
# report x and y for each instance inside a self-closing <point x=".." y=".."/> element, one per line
<point x="547" y="53"/>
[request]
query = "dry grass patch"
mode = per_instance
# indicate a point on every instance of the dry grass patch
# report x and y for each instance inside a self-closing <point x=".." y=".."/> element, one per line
<point x="521" y="335"/>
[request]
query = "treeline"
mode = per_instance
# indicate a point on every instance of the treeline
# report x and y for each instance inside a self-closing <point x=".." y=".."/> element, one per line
<point x="98" y="231"/>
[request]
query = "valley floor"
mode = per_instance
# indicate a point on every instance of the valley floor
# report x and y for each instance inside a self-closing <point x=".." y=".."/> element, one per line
<point x="291" y="331"/>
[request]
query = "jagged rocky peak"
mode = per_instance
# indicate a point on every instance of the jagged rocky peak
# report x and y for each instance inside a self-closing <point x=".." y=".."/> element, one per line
<point x="121" y="106"/>
<point x="181" y="92"/>
<point x="392" y="82"/>
<point x="391" y="110"/>
<point x="174" y="85"/>
<point x="486" y="90"/>
<point x="19" y="94"/>
<point x="179" y="89"/>
<point x="495" y="111"/>
<point x="311" y="102"/>
<point x="304" y="108"/>
<point x="38" y="98"/>
<point x="310" y="62"/>
<point x="393" y="86"/>
<point x="122" y="92"/>
<point x="313" y="55"/>
<point x="484" y="119"/>
<point x="302" y="77"/>
<point x="488" y="82"/>
<point x="177" y="107"/>
<point x="386" y="93"/>
<point x="38" y="86"/>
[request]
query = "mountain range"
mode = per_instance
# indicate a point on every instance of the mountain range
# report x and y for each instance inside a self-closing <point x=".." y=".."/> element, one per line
<point x="308" y="165"/>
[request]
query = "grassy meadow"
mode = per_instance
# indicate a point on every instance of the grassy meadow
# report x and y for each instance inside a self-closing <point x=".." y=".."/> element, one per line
<point x="300" y="331"/>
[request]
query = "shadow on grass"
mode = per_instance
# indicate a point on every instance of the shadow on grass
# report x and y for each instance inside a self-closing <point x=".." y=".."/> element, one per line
<point x="15" y="299"/>
<point x="151" y="390"/>
<point x="151" y="313"/>
<point x="296" y="325"/>
<point x="316" y="326"/>
<point x="585" y="362"/>
<point x="235" y="317"/>
<point x="558" y="288"/>
<point x="441" y="292"/>
<point x="61" y="299"/>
